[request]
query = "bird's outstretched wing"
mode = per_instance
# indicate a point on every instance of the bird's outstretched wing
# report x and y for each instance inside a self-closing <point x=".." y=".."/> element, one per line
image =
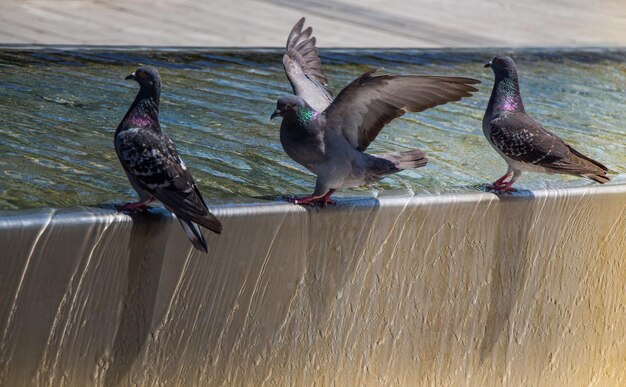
<point x="371" y="101"/>
<point x="304" y="69"/>
<point x="153" y="163"/>
<point x="523" y="139"/>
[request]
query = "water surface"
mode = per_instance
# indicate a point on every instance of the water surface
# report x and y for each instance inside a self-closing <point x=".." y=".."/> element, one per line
<point x="59" y="110"/>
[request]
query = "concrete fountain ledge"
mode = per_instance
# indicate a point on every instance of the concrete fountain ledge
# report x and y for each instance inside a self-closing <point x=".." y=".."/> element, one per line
<point x="468" y="289"/>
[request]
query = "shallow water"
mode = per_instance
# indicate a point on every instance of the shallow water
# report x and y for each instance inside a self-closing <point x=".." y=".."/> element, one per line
<point x="59" y="110"/>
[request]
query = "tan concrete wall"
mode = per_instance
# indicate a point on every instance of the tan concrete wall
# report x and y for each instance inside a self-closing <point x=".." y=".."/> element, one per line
<point x="441" y="290"/>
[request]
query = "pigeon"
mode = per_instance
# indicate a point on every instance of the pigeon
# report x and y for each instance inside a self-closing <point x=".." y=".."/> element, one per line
<point x="329" y="136"/>
<point x="523" y="143"/>
<point x="153" y="166"/>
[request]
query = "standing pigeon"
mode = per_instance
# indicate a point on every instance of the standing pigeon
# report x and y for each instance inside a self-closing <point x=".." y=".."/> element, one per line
<point x="329" y="137"/>
<point x="153" y="166"/>
<point x="523" y="143"/>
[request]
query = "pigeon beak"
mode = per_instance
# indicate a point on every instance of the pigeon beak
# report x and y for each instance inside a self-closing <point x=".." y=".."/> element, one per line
<point x="131" y="76"/>
<point x="487" y="65"/>
<point x="276" y="113"/>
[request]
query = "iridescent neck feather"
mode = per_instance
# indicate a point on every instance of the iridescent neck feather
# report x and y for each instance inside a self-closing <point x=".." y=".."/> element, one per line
<point x="506" y="94"/>
<point x="306" y="115"/>
<point x="144" y="112"/>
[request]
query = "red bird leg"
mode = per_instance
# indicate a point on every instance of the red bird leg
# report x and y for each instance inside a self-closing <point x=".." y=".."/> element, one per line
<point x="326" y="200"/>
<point x="305" y="200"/>
<point x="506" y="187"/>
<point x="137" y="206"/>
<point x="313" y="200"/>
<point x="498" y="184"/>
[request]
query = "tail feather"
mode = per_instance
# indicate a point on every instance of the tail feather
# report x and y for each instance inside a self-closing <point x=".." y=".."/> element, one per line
<point x="405" y="160"/>
<point x="210" y="221"/>
<point x="194" y="233"/>
<point x="589" y="159"/>
<point x="588" y="167"/>
<point x="598" y="178"/>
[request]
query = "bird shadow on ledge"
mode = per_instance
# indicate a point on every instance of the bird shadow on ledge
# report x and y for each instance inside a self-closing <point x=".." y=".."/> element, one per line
<point x="509" y="274"/>
<point x="146" y="250"/>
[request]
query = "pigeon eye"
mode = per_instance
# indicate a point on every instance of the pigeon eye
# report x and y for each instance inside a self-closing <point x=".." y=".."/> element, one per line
<point x="141" y="74"/>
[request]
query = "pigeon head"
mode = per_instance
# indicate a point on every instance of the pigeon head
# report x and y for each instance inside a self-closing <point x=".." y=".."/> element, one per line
<point x="505" y="95"/>
<point x="502" y="65"/>
<point x="289" y="103"/>
<point x="144" y="112"/>
<point x="147" y="77"/>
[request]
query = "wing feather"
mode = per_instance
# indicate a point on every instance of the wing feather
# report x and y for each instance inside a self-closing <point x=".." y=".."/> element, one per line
<point x="371" y="101"/>
<point x="153" y="163"/>
<point x="304" y="68"/>
<point x="523" y="139"/>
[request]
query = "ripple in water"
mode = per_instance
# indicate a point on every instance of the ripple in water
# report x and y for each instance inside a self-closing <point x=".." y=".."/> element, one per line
<point x="59" y="110"/>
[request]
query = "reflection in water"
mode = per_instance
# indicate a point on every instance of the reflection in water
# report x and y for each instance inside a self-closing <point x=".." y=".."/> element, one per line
<point x="58" y="112"/>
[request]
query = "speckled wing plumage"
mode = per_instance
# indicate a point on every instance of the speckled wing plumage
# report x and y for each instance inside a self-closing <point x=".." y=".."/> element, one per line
<point x="523" y="139"/>
<point x="304" y="68"/>
<point x="152" y="163"/>
<point x="371" y="101"/>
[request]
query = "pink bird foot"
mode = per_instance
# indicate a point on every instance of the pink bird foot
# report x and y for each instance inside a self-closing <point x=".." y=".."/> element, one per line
<point x="501" y="187"/>
<point x="136" y="206"/>
<point x="493" y="187"/>
<point x="313" y="200"/>
<point x="305" y="200"/>
<point x="507" y="189"/>
<point x="327" y="201"/>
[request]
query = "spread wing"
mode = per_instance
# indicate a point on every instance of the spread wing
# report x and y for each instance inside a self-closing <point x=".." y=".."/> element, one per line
<point x="153" y="163"/>
<point x="523" y="139"/>
<point x="304" y="69"/>
<point x="371" y="101"/>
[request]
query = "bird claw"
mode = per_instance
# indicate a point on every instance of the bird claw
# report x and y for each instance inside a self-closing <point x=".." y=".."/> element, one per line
<point x="133" y="207"/>
<point x="303" y="201"/>
<point x="311" y="201"/>
<point x="502" y="188"/>
<point x="291" y="199"/>
<point x="328" y="201"/>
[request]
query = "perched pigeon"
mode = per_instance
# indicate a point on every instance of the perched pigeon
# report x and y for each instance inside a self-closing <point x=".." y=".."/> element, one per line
<point x="523" y="143"/>
<point x="153" y="166"/>
<point x="328" y="136"/>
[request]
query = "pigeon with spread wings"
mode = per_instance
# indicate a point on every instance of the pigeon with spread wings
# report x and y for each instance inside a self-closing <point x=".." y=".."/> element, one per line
<point x="153" y="166"/>
<point x="329" y="136"/>
<point x="523" y="143"/>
